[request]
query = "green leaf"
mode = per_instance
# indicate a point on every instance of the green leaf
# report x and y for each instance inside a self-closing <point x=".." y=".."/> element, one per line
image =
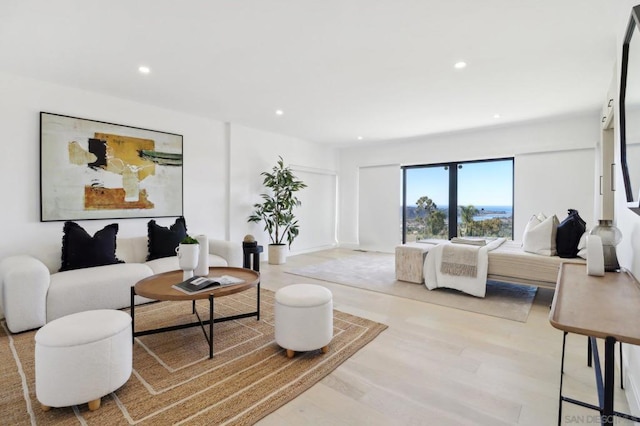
<point x="276" y="209"/>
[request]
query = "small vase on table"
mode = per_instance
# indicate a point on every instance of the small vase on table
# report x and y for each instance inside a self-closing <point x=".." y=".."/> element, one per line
<point x="187" y="259"/>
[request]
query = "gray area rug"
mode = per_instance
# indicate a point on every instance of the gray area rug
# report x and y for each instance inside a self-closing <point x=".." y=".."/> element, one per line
<point x="376" y="271"/>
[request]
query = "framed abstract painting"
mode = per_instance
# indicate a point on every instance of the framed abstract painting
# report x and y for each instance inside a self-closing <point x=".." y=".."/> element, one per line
<point x="95" y="170"/>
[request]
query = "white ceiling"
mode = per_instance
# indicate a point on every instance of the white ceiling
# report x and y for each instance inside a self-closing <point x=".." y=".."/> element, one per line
<point x="339" y="69"/>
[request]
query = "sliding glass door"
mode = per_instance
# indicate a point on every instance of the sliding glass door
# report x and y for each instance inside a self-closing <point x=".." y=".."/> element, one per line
<point x="481" y="191"/>
<point x="426" y="203"/>
<point x="485" y="199"/>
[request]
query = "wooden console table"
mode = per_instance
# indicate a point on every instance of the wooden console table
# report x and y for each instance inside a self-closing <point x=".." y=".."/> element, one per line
<point x="598" y="307"/>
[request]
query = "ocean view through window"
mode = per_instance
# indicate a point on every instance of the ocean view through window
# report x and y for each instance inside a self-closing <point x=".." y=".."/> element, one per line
<point x="482" y="192"/>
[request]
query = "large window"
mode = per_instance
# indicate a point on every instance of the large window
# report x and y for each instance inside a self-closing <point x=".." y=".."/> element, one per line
<point x="480" y="191"/>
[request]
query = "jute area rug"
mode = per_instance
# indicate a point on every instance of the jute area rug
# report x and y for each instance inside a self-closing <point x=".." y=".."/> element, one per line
<point x="175" y="382"/>
<point x="376" y="271"/>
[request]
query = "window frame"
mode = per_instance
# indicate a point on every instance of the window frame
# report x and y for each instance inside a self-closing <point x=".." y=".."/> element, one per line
<point x="453" y="191"/>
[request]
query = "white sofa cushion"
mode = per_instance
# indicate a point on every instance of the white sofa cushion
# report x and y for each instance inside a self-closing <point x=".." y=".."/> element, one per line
<point x="101" y="287"/>
<point x="132" y="249"/>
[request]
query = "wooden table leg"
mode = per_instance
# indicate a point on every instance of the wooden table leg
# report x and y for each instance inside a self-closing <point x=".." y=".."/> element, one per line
<point x="94" y="405"/>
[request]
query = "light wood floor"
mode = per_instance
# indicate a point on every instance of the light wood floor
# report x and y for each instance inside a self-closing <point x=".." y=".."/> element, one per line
<point x="441" y="366"/>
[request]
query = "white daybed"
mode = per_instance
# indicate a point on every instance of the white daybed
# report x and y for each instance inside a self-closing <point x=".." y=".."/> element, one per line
<point x="510" y="263"/>
<point x="507" y="263"/>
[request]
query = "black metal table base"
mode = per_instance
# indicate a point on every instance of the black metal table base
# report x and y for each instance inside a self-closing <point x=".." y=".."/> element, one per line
<point x="604" y="384"/>
<point x="208" y="336"/>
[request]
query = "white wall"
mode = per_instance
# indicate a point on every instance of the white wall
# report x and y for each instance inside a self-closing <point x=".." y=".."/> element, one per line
<point x="221" y="175"/>
<point x="20" y="104"/>
<point x="629" y="224"/>
<point x="254" y="151"/>
<point x="553" y="182"/>
<point x="547" y="154"/>
<point x="379" y="212"/>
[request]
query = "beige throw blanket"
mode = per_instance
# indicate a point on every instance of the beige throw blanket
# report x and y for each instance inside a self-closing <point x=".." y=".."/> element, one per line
<point x="474" y="285"/>
<point x="460" y="260"/>
<point x="470" y="241"/>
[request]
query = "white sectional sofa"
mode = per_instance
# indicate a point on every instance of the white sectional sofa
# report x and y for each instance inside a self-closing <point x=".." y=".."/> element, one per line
<point x="33" y="292"/>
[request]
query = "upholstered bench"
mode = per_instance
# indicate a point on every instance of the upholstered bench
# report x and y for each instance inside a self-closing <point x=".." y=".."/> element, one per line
<point x="410" y="261"/>
<point x="303" y="318"/>
<point x="82" y="357"/>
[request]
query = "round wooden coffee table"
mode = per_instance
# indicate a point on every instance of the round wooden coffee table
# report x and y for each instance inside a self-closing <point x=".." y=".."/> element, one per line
<point x="160" y="287"/>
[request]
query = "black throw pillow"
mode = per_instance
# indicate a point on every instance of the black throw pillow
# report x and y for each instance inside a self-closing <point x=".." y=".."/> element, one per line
<point x="568" y="234"/>
<point x="162" y="240"/>
<point x="81" y="250"/>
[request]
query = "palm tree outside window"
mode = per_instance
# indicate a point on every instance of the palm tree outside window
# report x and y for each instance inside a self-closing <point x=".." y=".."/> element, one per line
<point x="481" y="191"/>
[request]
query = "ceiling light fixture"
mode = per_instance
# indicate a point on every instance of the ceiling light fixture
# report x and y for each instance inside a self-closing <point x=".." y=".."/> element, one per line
<point x="496" y="115"/>
<point x="279" y="112"/>
<point x="360" y="138"/>
<point x="460" y="65"/>
<point x="144" y="70"/>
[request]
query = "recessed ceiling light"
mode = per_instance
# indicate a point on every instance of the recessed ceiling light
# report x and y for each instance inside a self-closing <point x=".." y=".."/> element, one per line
<point x="460" y="65"/>
<point x="360" y="138"/>
<point x="279" y="112"/>
<point x="144" y="70"/>
<point x="496" y="115"/>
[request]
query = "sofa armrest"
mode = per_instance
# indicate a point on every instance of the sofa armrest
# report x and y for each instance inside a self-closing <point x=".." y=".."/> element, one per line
<point x="23" y="296"/>
<point x="231" y="252"/>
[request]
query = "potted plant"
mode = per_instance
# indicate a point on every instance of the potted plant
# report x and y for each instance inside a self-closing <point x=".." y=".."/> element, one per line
<point x="188" y="252"/>
<point x="276" y="210"/>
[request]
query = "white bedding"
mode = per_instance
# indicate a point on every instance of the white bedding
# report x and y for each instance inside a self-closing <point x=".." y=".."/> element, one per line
<point x="475" y="286"/>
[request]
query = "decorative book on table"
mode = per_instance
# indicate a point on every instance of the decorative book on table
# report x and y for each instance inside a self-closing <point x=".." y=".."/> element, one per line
<point x="201" y="284"/>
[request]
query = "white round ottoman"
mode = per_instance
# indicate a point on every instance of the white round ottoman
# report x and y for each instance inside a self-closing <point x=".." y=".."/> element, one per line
<point x="82" y="357"/>
<point x="304" y="318"/>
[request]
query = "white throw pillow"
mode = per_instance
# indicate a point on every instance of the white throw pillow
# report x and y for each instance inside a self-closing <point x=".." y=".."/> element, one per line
<point x="582" y="245"/>
<point x="540" y="235"/>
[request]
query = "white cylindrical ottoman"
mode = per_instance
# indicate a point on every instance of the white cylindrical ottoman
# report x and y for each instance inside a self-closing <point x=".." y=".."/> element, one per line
<point x="82" y="357"/>
<point x="303" y="318"/>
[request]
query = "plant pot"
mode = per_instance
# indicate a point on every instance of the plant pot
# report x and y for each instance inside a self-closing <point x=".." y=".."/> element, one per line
<point x="278" y="254"/>
<point x="188" y="258"/>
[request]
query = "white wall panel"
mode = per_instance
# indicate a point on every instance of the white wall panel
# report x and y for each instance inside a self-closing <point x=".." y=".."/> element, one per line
<point x="572" y="134"/>
<point x="552" y="183"/>
<point x="317" y="214"/>
<point x="379" y="220"/>
<point x="254" y="151"/>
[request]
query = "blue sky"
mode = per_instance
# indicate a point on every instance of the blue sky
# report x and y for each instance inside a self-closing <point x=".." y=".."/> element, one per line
<point x="480" y="184"/>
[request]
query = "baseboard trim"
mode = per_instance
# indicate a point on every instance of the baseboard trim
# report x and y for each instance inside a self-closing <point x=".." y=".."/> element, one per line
<point x="312" y="249"/>
<point x="351" y="246"/>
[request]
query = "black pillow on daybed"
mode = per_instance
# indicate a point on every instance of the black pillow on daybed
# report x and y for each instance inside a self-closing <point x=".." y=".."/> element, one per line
<point x="81" y="250"/>
<point x="569" y="233"/>
<point x="162" y="240"/>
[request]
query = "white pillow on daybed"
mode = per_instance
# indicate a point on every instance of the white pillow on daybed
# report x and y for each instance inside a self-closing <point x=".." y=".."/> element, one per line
<point x="540" y="235"/>
<point x="582" y="245"/>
